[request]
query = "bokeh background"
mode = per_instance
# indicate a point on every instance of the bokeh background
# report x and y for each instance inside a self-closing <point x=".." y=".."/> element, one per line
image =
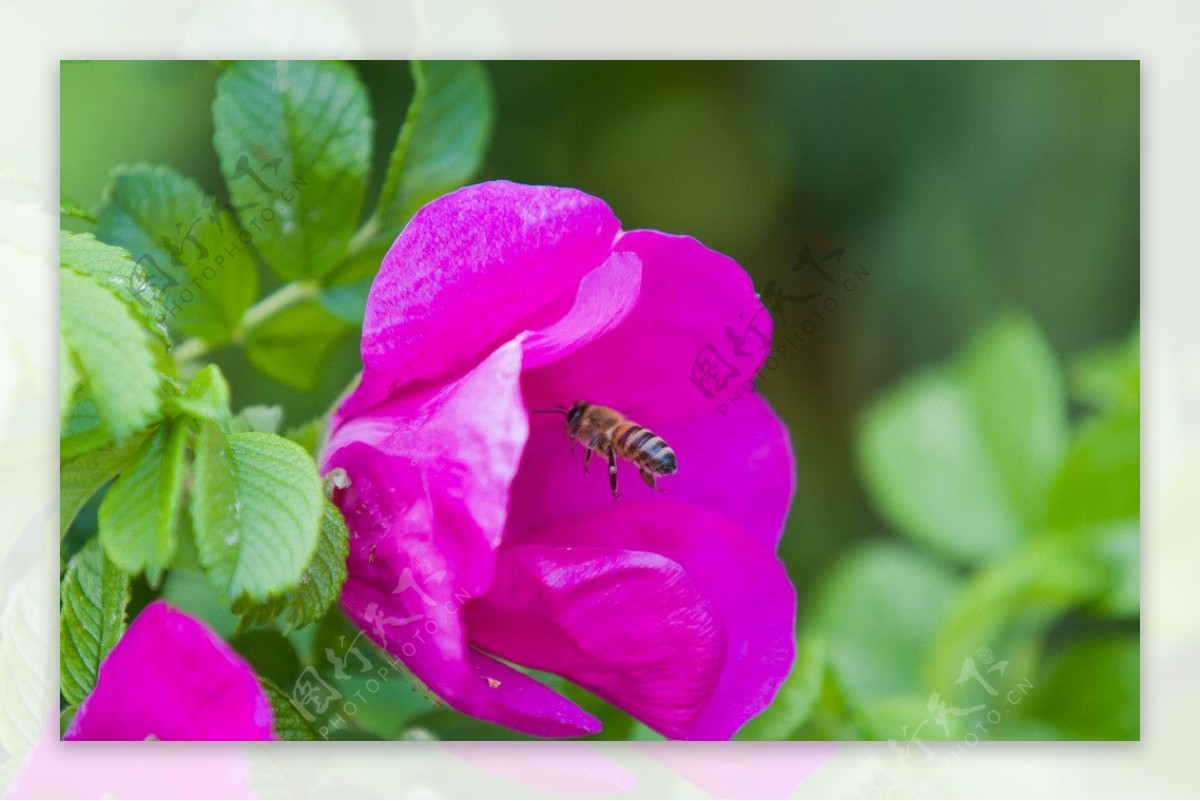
<point x="967" y="190"/>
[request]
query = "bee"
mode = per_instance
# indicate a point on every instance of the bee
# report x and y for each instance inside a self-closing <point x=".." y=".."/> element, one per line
<point x="606" y="430"/>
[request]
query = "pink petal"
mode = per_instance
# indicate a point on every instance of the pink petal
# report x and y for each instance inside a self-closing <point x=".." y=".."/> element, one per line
<point x="628" y="625"/>
<point x="645" y="367"/>
<point x="606" y="296"/>
<point x="426" y="507"/>
<point x="172" y="678"/>
<point x="476" y="267"/>
<point x="728" y="565"/>
<point x="740" y="465"/>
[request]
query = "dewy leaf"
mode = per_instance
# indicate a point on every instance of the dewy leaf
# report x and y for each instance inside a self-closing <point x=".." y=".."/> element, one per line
<point x="139" y="516"/>
<point x="188" y="244"/>
<point x="256" y="511"/>
<point x="961" y="458"/>
<point x="442" y="141"/>
<point x="295" y="344"/>
<point x="115" y="269"/>
<point x="114" y="353"/>
<point x="294" y="140"/>
<point x="95" y="593"/>
<point x="320" y="586"/>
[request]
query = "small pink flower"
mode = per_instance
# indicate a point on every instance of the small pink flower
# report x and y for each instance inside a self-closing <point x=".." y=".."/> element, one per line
<point x="477" y="537"/>
<point x="171" y="678"/>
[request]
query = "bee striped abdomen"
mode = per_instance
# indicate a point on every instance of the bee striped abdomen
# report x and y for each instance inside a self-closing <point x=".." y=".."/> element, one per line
<point x="645" y="449"/>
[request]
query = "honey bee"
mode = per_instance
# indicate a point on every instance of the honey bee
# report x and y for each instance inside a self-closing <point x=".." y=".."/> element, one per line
<point x="608" y="431"/>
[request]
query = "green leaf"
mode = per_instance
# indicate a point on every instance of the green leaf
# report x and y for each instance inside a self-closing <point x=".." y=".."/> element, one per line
<point x="69" y="207"/>
<point x="95" y="593"/>
<point x="1014" y="601"/>
<point x="139" y="516"/>
<point x="259" y="418"/>
<point x="115" y="269"/>
<point x="308" y="435"/>
<point x="113" y="352"/>
<point x="1101" y="479"/>
<point x="348" y="302"/>
<point x="442" y="142"/>
<point x="294" y="345"/>
<point x="797" y="698"/>
<point x="289" y="722"/>
<point x="82" y="476"/>
<point x="294" y="141"/>
<point x="320" y="585"/>
<point x="882" y="599"/>
<point x="68" y="380"/>
<point x="1110" y="378"/>
<point x="207" y="398"/>
<point x="189" y="245"/>
<point x="961" y="458"/>
<point x="256" y="511"/>
<point x="1091" y="690"/>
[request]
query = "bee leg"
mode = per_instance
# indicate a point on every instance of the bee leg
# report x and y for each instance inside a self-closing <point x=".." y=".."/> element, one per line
<point x="649" y="478"/>
<point x="591" y="446"/>
<point x="612" y="472"/>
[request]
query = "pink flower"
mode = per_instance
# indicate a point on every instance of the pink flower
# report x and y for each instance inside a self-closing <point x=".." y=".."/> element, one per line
<point x="477" y="537"/>
<point x="171" y="678"/>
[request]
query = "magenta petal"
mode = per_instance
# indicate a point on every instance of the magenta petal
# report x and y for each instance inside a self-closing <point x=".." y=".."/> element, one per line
<point x="739" y="464"/>
<point x="172" y="678"/>
<point x="630" y="626"/>
<point x="426" y="507"/>
<point x="606" y="296"/>
<point x="692" y="298"/>
<point x="730" y="566"/>
<point x="473" y="269"/>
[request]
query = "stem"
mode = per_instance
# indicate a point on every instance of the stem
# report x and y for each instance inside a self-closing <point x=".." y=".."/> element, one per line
<point x="279" y="299"/>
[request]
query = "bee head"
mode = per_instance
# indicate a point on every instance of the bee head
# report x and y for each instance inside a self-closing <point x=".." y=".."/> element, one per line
<point x="575" y="414"/>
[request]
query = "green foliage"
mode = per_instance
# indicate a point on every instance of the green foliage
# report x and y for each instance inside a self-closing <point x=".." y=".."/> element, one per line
<point x="256" y="511"/>
<point x="219" y="512"/>
<point x="289" y="722"/>
<point x="972" y="446"/>
<point x="139" y="515"/>
<point x="187" y="242"/>
<point x="111" y="352"/>
<point x="309" y="122"/>
<point x="320" y="584"/>
<point x="95" y="593"/>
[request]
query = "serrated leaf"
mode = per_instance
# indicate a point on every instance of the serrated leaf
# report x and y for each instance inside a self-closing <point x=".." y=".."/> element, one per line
<point x="961" y="458"/>
<point x="114" y="354"/>
<point x="83" y="475"/>
<point x="115" y="269"/>
<point x="188" y="243"/>
<point x="442" y="142"/>
<point x="95" y="593"/>
<point x="320" y="585"/>
<point x="289" y="722"/>
<point x="139" y="516"/>
<point x="294" y="345"/>
<point x="256" y="511"/>
<point x="294" y="140"/>
<point x="207" y="398"/>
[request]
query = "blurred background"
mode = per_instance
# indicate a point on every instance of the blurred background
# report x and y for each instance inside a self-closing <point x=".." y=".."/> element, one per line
<point x="956" y="192"/>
